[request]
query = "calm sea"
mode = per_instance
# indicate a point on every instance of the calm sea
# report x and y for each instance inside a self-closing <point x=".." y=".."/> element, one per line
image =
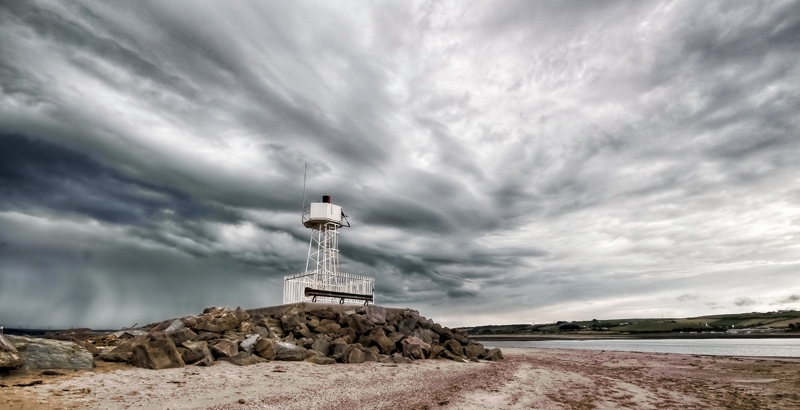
<point x="717" y="347"/>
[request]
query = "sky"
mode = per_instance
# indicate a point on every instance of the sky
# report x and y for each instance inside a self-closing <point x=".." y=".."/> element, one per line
<point x="500" y="162"/>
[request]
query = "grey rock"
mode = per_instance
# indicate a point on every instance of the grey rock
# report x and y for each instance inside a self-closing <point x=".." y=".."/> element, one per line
<point x="399" y="358"/>
<point x="322" y="346"/>
<point x="10" y="358"/>
<point x="176" y="324"/>
<point x="51" y="354"/>
<point x="359" y="323"/>
<point x="249" y="343"/>
<point x="426" y="335"/>
<point x="289" y="352"/>
<point x="374" y="314"/>
<point x="337" y="348"/>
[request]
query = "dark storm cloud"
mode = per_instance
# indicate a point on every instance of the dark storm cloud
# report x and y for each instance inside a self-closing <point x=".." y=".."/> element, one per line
<point x="39" y="174"/>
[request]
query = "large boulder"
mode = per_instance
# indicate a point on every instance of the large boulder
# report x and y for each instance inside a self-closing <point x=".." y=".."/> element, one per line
<point x="196" y="352"/>
<point x="302" y="330"/>
<point x="123" y="352"/>
<point x="157" y="354"/>
<point x="348" y="334"/>
<point x="322" y="346"/>
<point x="180" y="335"/>
<point x="396" y="337"/>
<point x="460" y="337"/>
<point x="51" y="354"/>
<point x="266" y="349"/>
<point x="426" y="335"/>
<point x="337" y="348"/>
<point x="436" y="350"/>
<point x="224" y="348"/>
<point x="249" y="343"/>
<point x="454" y="347"/>
<point x="10" y="358"/>
<point x="353" y="354"/>
<point x="360" y="323"/>
<point x="287" y="351"/>
<point x="474" y="349"/>
<point x="415" y="348"/>
<point x="176" y="324"/>
<point x="443" y="332"/>
<point x="384" y="343"/>
<point x="374" y="314"/>
<point x="407" y="325"/>
<point x="493" y="355"/>
<point x="274" y="326"/>
<point x="328" y="327"/>
<point x="292" y="319"/>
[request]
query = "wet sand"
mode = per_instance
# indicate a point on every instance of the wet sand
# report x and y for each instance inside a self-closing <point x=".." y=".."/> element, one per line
<point x="528" y="378"/>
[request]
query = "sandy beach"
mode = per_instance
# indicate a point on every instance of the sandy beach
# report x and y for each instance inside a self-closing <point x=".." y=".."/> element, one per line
<point x="528" y="378"/>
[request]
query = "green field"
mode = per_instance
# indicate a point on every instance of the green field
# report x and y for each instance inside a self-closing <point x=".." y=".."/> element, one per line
<point x="778" y="320"/>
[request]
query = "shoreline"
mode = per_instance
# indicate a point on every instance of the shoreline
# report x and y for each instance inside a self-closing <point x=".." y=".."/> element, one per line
<point x="624" y="336"/>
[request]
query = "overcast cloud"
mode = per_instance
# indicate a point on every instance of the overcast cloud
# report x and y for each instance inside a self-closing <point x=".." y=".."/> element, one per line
<point x="501" y="162"/>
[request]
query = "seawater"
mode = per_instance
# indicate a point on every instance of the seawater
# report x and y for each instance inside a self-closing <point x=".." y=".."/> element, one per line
<point x="714" y="347"/>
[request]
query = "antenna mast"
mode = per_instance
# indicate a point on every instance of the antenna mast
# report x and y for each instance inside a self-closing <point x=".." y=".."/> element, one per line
<point x="303" y="208"/>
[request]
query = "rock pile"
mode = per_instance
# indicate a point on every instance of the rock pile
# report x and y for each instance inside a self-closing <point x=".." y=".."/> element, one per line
<point x="319" y="335"/>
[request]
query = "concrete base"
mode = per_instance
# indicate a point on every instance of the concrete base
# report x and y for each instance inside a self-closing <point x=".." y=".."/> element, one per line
<point x="278" y="311"/>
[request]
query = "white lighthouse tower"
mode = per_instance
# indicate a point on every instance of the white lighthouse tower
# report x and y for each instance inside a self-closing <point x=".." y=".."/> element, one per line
<point x="322" y="282"/>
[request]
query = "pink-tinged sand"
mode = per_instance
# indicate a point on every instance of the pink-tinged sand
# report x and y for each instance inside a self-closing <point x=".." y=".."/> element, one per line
<point x="529" y="378"/>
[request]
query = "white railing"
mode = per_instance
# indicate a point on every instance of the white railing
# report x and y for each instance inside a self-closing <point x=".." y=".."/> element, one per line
<point x="294" y="287"/>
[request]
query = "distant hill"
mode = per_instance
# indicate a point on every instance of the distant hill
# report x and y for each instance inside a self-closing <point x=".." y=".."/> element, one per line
<point x="784" y="320"/>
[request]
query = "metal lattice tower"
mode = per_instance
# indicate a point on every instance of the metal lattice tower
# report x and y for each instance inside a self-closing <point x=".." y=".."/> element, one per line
<point x="322" y="282"/>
